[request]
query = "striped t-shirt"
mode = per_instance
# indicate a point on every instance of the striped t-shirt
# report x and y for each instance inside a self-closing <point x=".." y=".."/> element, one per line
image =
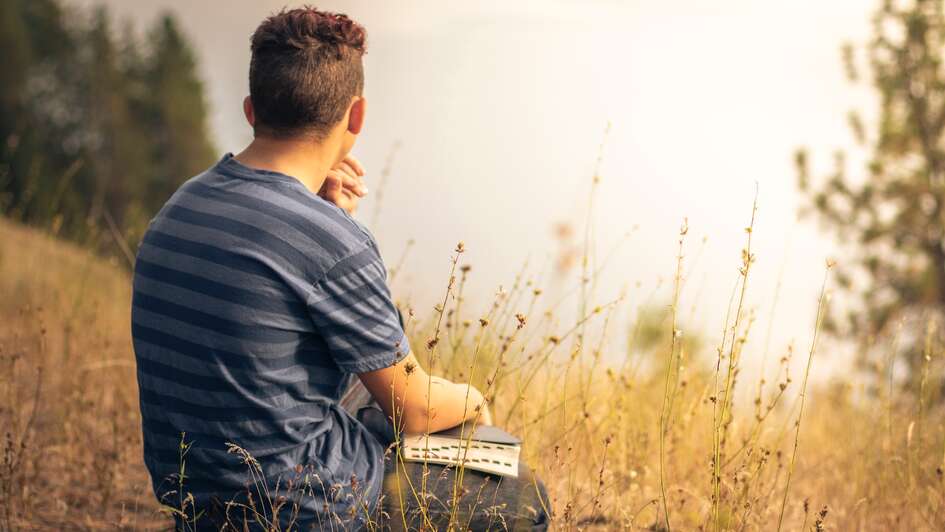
<point x="255" y="301"/>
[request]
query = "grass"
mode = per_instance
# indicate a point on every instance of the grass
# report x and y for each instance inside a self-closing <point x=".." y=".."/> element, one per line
<point x="647" y="436"/>
<point x="68" y="395"/>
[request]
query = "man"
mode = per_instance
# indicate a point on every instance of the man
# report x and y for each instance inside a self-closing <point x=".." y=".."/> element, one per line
<point x="256" y="299"/>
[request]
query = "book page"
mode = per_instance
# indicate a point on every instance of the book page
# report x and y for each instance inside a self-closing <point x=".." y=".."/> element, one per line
<point x="481" y="456"/>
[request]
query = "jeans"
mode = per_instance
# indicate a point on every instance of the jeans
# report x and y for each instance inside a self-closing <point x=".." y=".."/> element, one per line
<point x="481" y="502"/>
<point x="419" y="496"/>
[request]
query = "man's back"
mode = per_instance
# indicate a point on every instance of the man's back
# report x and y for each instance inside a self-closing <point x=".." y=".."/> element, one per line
<point x="254" y="302"/>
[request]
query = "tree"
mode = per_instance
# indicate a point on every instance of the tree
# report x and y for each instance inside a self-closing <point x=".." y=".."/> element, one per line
<point x="175" y="113"/>
<point x="893" y="215"/>
<point x="96" y="131"/>
<point x="39" y="128"/>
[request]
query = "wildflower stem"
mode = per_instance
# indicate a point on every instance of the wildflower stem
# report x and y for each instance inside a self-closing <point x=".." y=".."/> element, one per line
<point x="665" y="410"/>
<point x="821" y="305"/>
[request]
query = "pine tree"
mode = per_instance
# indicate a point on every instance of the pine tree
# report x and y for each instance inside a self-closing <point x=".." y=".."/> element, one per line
<point x="178" y="112"/>
<point x="38" y="125"/>
<point x="96" y="131"/>
<point x="893" y="217"/>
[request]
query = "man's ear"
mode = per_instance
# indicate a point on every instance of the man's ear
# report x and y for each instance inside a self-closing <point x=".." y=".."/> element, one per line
<point x="356" y="115"/>
<point x="248" y="111"/>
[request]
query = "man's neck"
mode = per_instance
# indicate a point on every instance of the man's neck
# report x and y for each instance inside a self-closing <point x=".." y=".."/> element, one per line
<point x="304" y="160"/>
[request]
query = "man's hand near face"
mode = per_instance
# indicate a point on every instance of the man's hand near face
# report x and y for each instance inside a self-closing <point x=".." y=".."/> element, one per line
<point x="344" y="185"/>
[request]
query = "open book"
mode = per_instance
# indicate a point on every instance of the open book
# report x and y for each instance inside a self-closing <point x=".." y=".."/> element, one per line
<point x="481" y="447"/>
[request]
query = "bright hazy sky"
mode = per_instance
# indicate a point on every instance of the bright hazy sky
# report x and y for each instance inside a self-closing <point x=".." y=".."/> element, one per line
<point x="500" y="107"/>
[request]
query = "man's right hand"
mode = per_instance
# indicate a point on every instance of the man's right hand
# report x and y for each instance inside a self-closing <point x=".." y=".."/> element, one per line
<point x="344" y="184"/>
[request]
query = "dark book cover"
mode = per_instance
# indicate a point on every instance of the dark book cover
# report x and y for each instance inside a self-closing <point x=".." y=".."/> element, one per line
<point x="483" y="433"/>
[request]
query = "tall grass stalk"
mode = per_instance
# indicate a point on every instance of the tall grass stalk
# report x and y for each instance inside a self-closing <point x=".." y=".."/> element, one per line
<point x="720" y="426"/>
<point x="382" y="184"/>
<point x="821" y="308"/>
<point x="671" y="373"/>
<point x="771" y="313"/>
<point x="587" y="288"/>
<point x="461" y="470"/>
<point x="432" y="349"/>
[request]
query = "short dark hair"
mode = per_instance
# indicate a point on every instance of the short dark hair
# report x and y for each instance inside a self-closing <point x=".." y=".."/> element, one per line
<point x="305" y="68"/>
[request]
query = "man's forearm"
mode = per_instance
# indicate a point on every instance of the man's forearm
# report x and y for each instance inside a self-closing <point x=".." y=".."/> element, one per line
<point x="417" y="402"/>
<point x="444" y="405"/>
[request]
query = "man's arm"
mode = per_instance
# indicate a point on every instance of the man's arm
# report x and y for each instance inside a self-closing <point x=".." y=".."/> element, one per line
<point x="418" y="402"/>
<point x="415" y="400"/>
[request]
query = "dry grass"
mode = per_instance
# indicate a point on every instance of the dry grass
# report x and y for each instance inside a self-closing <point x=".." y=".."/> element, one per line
<point x="68" y="394"/>
<point x="604" y="429"/>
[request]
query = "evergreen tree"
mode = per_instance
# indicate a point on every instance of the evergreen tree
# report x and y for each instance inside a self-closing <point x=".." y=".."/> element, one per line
<point x="38" y="124"/>
<point x="893" y="217"/>
<point x="96" y="131"/>
<point x="177" y="122"/>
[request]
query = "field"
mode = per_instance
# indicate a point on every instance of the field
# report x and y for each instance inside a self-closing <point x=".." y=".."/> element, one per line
<point x="617" y="443"/>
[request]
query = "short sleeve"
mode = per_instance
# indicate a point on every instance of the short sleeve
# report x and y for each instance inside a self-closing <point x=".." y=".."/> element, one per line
<point x="352" y="310"/>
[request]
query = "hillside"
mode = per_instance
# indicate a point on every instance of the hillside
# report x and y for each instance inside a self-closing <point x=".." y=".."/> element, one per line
<point x="865" y="459"/>
<point x="68" y="389"/>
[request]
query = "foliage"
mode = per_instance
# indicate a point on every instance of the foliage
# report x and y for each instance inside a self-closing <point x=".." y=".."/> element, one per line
<point x="96" y="131"/>
<point x="894" y="216"/>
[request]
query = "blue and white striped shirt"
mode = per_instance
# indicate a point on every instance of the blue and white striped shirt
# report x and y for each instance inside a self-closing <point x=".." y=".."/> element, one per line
<point x="254" y="302"/>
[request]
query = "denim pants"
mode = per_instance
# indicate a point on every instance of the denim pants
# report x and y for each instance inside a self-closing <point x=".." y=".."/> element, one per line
<point x="419" y="496"/>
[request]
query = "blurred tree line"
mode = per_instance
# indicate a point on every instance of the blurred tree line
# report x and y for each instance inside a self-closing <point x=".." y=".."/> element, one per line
<point x="892" y="213"/>
<point x="97" y="126"/>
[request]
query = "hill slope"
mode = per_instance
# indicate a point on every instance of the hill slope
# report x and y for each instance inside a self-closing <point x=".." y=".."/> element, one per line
<point x="71" y="453"/>
<point x="67" y="383"/>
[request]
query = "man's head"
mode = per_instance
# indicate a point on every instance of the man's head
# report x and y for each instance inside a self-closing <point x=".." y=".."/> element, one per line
<point x="306" y="77"/>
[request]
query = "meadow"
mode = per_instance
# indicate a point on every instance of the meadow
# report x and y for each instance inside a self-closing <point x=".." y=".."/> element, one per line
<point x="652" y="438"/>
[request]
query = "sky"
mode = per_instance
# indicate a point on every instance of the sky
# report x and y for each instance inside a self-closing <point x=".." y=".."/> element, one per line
<point x="500" y="108"/>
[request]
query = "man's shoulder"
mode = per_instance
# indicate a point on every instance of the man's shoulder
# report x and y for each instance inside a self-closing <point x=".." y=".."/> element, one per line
<point x="282" y="219"/>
